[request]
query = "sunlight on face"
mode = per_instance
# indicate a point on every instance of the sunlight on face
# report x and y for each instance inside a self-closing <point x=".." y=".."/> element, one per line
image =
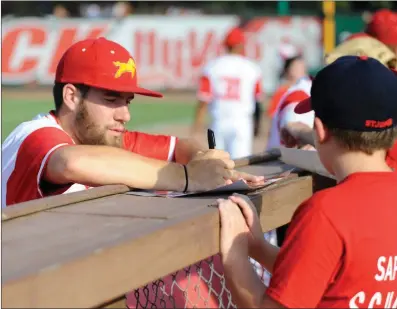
<point x="101" y="118"/>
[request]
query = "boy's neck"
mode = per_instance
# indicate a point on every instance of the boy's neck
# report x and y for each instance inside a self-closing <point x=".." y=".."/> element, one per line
<point x="347" y="162"/>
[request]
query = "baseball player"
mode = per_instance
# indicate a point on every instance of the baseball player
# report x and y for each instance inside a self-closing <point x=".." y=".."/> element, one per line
<point x="285" y="112"/>
<point x="330" y="258"/>
<point x="83" y="143"/>
<point x="379" y="41"/>
<point x="229" y="86"/>
<point x="294" y="68"/>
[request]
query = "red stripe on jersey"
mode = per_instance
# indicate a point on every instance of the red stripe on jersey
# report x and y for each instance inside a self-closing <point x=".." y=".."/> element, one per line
<point x="258" y="90"/>
<point x="149" y="145"/>
<point x="23" y="184"/>
<point x="205" y="92"/>
<point x="293" y="97"/>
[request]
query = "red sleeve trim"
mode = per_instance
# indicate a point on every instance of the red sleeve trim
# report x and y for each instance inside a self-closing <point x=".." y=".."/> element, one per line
<point x="204" y="93"/>
<point x="32" y="156"/>
<point x="293" y="97"/>
<point x="259" y="94"/>
<point x="161" y="147"/>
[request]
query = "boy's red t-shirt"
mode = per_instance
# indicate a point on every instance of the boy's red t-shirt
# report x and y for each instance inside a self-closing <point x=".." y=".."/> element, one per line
<point x="341" y="247"/>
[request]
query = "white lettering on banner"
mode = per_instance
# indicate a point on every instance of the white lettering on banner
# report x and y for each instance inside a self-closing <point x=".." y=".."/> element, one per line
<point x="387" y="267"/>
<point x="170" y="51"/>
<point x="32" y="47"/>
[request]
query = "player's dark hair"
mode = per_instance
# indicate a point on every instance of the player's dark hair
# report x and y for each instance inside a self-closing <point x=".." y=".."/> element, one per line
<point x="366" y="142"/>
<point x="57" y="92"/>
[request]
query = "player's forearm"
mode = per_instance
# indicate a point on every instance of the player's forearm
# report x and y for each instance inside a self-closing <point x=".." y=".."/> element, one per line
<point x="102" y="165"/>
<point x="186" y="149"/>
<point x="265" y="254"/>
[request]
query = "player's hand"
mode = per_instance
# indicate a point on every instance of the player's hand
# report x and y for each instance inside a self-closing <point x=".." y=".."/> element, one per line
<point x="293" y="134"/>
<point x="307" y="147"/>
<point x="240" y="227"/>
<point x="250" y="179"/>
<point x="209" y="170"/>
<point x="211" y="153"/>
<point x="233" y="174"/>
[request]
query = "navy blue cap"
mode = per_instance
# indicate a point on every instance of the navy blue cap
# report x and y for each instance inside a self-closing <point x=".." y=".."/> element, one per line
<point x="354" y="93"/>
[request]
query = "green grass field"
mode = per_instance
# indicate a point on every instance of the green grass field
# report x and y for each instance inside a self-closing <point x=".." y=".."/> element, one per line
<point x="143" y="115"/>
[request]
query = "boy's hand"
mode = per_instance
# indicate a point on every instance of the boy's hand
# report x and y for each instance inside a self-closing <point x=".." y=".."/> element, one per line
<point x="241" y="233"/>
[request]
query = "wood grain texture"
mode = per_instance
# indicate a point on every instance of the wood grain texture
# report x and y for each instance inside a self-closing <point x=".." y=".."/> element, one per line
<point x="27" y="208"/>
<point x="89" y="253"/>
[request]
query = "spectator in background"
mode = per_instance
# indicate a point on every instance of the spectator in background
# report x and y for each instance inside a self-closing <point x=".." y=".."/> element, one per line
<point x="122" y="9"/>
<point x="91" y="10"/>
<point x="383" y="26"/>
<point x="294" y="69"/>
<point x="60" y="11"/>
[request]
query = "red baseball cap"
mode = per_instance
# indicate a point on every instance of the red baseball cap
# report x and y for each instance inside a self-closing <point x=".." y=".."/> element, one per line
<point x="102" y="64"/>
<point x="383" y="26"/>
<point x="234" y="37"/>
<point x="357" y="35"/>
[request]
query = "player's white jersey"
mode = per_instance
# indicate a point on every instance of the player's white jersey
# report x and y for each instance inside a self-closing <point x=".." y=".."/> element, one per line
<point x="230" y="84"/>
<point x="285" y="111"/>
<point x="22" y="167"/>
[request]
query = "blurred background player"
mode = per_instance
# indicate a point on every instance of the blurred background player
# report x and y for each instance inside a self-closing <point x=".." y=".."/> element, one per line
<point x="382" y="27"/>
<point x="294" y="68"/>
<point x="230" y="85"/>
<point x="285" y="114"/>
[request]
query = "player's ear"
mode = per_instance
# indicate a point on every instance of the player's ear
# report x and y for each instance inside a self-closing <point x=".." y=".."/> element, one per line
<point x="71" y="96"/>
<point x="320" y="130"/>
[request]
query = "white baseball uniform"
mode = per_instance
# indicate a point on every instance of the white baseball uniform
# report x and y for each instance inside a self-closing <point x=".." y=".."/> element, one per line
<point x="27" y="149"/>
<point x="285" y="111"/>
<point x="230" y="84"/>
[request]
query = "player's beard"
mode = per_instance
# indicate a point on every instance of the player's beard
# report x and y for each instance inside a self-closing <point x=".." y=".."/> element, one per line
<point x="90" y="133"/>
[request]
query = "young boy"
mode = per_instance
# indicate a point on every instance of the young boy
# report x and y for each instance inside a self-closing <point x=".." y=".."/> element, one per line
<point x="341" y="246"/>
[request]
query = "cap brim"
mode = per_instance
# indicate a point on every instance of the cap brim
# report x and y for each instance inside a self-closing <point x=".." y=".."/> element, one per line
<point x="147" y="92"/>
<point x="303" y="107"/>
<point x="135" y="90"/>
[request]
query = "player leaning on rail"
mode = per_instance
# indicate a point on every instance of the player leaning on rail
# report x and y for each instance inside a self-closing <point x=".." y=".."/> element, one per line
<point x="340" y="249"/>
<point x="83" y="143"/>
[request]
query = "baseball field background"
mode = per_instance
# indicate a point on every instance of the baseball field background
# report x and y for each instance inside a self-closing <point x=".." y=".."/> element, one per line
<point x="172" y="114"/>
<point x="33" y="42"/>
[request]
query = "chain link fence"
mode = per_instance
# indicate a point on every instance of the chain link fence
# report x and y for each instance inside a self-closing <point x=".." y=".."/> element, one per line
<point x="201" y="285"/>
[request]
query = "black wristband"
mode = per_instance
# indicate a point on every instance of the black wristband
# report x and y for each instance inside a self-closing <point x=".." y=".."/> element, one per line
<point x="186" y="178"/>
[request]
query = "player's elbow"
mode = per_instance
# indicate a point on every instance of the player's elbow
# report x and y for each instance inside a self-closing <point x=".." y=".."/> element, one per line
<point x="62" y="166"/>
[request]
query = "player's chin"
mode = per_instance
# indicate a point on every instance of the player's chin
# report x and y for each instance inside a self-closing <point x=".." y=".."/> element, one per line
<point x="113" y="139"/>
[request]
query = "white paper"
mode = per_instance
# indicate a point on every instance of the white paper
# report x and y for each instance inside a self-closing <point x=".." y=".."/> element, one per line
<point x="238" y="186"/>
<point x="304" y="159"/>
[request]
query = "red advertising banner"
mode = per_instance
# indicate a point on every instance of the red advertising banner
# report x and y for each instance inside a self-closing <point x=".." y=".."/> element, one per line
<point x="169" y="50"/>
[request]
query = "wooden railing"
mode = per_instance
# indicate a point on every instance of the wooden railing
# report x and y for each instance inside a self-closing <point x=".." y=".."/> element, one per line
<point x="88" y="249"/>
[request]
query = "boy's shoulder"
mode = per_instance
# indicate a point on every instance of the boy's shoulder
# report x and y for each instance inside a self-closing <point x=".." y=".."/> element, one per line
<point x="355" y="191"/>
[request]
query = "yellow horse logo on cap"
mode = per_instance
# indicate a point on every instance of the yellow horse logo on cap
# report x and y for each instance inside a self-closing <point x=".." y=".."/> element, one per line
<point x="123" y="67"/>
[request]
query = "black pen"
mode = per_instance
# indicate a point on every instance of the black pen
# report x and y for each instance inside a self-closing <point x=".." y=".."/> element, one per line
<point x="211" y="139"/>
